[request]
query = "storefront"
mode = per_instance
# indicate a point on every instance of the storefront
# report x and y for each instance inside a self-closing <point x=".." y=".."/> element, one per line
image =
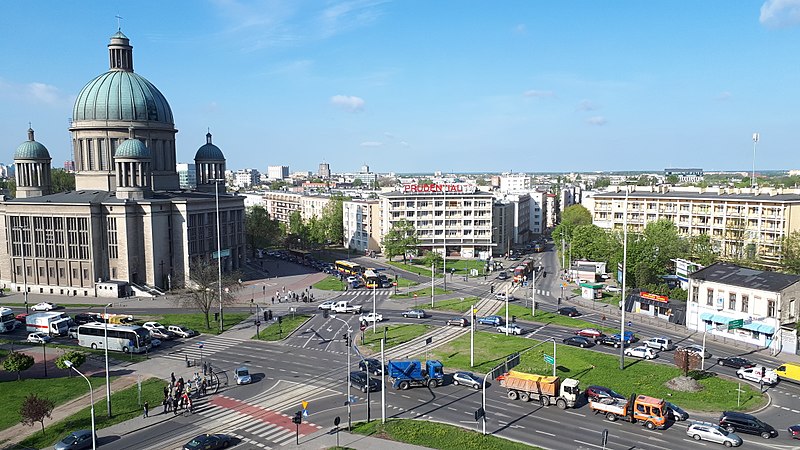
<point x="660" y="307"/>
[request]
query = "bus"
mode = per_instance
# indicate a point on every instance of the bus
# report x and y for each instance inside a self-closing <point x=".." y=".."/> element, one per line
<point x="121" y="338"/>
<point x="523" y="270"/>
<point x="372" y="280"/>
<point x="347" y="268"/>
<point x="300" y="256"/>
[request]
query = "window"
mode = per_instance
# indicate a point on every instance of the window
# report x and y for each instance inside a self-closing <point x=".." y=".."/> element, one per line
<point x="791" y="309"/>
<point x="745" y="303"/>
<point x="695" y="295"/>
<point x="732" y="301"/>
<point x="111" y="226"/>
<point x="710" y="297"/>
<point x="770" y="308"/>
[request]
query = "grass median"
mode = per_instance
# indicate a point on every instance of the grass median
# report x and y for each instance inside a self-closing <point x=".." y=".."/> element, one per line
<point x="125" y="405"/>
<point x="436" y="435"/>
<point x="330" y="284"/>
<point x="591" y="367"/>
<point x="197" y="321"/>
<point x="277" y="331"/>
<point x="524" y="313"/>
<point x="421" y="293"/>
<point x="460" y="305"/>
<point x="395" y="335"/>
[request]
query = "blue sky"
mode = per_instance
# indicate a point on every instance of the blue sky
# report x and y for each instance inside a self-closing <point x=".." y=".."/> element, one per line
<point x="412" y="86"/>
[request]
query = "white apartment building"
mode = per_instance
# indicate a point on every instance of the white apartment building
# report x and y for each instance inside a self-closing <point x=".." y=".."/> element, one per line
<point x="538" y="212"/>
<point x="277" y="172"/>
<point x="550" y="210"/>
<point x="452" y="218"/>
<point x="362" y="220"/>
<point x="766" y="302"/>
<point x="521" y="206"/>
<point x="514" y="182"/>
<point x="245" y="178"/>
<point x="253" y="199"/>
<point x="187" y="175"/>
<point x="280" y="205"/>
<point x="740" y="222"/>
<point x="313" y="205"/>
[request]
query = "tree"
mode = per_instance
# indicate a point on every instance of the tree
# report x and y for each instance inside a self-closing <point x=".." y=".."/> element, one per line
<point x="573" y="216"/>
<point x="204" y="294"/>
<point x="9" y="185"/>
<point x="76" y="358"/>
<point x="35" y="409"/>
<point x="602" y="182"/>
<point x="400" y="239"/>
<point x="673" y="179"/>
<point x="686" y="360"/>
<point x="17" y="362"/>
<point x="332" y="220"/>
<point x="61" y="180"/>
<point x="261" y="231"/>
<point x="592" y="243"/>
<point x="790" y="252"/>
<point x="358" y="182"/>
<point x="702" y="251"/>
<point x="432" y="259"/>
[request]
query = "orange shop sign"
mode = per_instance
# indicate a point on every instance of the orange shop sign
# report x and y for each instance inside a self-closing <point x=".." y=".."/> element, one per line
<point x="658" y="298"/>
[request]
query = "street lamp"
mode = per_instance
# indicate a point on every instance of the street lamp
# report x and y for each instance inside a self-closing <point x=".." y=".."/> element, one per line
<point x="347" y="372"/>
<point x="68" y="363"/>
<point x="105" y="347"/>
<point x="219" y="252"/>
<point x="756" y="136"/>
<point x="624" y="280"/>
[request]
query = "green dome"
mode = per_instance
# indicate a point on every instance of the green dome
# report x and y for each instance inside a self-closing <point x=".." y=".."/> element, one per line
<point x="31" y="149"/>
<point x="122" y="95"/>
<point x="209" y="152"/>
<point x="132" y="148"/>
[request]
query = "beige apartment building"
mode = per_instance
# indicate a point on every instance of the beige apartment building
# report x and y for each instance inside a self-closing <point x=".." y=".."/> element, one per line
<point x="280" y="205"/>
<point x="362" y="223"/>
<point x="740" y="222"/>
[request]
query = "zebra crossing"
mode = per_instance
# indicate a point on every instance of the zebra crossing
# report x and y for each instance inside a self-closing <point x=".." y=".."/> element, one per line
<point x="367" y="293"/>
<point x="201" y="347"/>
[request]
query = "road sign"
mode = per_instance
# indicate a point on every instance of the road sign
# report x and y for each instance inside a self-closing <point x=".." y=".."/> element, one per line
<point x="226" y="252"/>
<point x="479" y="413"/>
<point x="305" y="405"/>
<point x="305" y="413"/>
<point x="549" y="359"/>
<point x="363" y="326"/>
<point x="524" y="283"/>
<point x="734" y="324"/>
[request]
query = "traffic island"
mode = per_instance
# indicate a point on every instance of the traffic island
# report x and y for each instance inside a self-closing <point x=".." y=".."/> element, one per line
<point x="281" y="327"/>
<point x="370" y="343"/>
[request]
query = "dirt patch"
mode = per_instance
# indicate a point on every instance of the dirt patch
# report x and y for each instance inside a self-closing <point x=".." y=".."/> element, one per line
<point x="684" y="384"/>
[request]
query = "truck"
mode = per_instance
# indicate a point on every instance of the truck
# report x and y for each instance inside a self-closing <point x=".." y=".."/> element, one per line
<point x="345" y="306"/>
<point x="52" y="323"/>
<point x="650" y="411"/>
<point x="7" y="320"/>
<point x="404" y="374"/>
<point x="788" y="372"/>
<point x="546" y="390"/>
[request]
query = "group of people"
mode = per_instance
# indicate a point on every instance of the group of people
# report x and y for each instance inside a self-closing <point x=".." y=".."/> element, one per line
<point x="178" y="393"/>
<point x="306" y="296"/>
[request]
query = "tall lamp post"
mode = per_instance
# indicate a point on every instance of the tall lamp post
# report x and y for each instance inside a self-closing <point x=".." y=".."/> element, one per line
<point x="347" y="372"/>
<point x="105" y="348"/>
<point x="24" y="246"/>
<point x="68" y="363"/>
<point x="219" y="252"/>
<point x="624" y="280"/>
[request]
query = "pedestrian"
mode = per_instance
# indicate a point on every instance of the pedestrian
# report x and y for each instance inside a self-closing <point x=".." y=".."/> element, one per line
<point x="146" y="409"/>
<point x="175" y="406"/>
<point x="165" y="404"/>
<point x="273" y="300"/>
<point x="166" y="391"/>
<point x="173" y="377"/>
<point x="203" y="387"/>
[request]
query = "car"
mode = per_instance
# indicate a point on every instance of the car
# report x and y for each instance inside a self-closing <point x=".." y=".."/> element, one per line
<point x="611" y="341"/>
<point x="698" y="349"/>
<point x="502" y="296"/>
<point x="612" y="289"/>
<point x="153" y="325"/>
<point x="416" y="313"/>
<point x="72" y="332"/>
<point x="351" y="279"/>
<point x="209" y="442"/>
<point x="629" y="337"/>
<point x="502" y="275"/>
<point x="602" y="394"/>
<point x="758" y="374"/>
<point x="370" y="317"/>
<point x="794" y="431"/>
<point x="660" y="343"/>
<point x="22" y="318"/>
<point x="491" y="320"/>
<point x="326" y="305"/>
<point x="77" y="440"/>
<point x="181" y="331"/>
<point x="242" y="376"/>
<point x="579" y="341"/>
<point x="372" y="364"/>
<point x="678" y="414"/>
<point x="589" y="333"/>
<point x="736" y="362"/>
<point x="82" y="318"/>
<point x="358" y="380"/>
<point x="43" y="306"/>
<point x="38" y="338"/>
<point x="155" y="342"/>
<point x="459" y="322"/>
<point x="703" y="431"/>
<point x="570" y="311"/>
<point x="511" y="329"/>
<point x="467" y="379"/>
<point x="162" y="333"/>
<point x="641" y="351"/>
<point x="736" y="422"/>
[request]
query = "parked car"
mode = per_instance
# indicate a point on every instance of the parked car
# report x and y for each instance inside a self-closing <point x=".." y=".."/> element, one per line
<point x="467" y="379"/>
<point x="629" y="337"/>
<point x="602" y="394"/>
<point x="209" y="442"/>
<point x="612" y="289"/>
<point x="459" y="322"/>
<point x="491" y="320"/>
<point x="736" y="362"/>
<point x="358" y="380"/>
<point x="181" y="331"/>
<point x="694" y="348"/>
<point x="416" y="313"/>
<point x="570" y="311"/>
<point x="161" y="333"/>
<point x="38" y="338"/>
<point x="590" y="333"/>
<point x="72" y="332"/>
<point x="758" y="374"/>
<point x="677" y="412"/>
<point x="242" y="376"/>
<point x="44" y="306"/>
<point x="641" y="351"/>
<point x="326" y="305"/>
<point x="511" y="328"/>
<point x="660" y="343"/>
<point x="611" y="341"/>
<point x="702" y="431"/>
<point x="370" y="317"/>
<point x="77" y="440"/>
<point x="578" y="341"/>
<point x="794" y="431"/>
<point x="22" y="318"/>
<point x="736" y="422"/>
<point x="372" y="364"/>
<point x="82" y="318"/>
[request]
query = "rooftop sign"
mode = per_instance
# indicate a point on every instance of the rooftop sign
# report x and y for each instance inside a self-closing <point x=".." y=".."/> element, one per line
<point x="455" y="188"/>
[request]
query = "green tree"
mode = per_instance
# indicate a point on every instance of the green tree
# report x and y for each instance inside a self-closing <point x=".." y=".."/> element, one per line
<point x="673" y="179"/>
<point x="61" y="180"/>
<point x="790" y="253"/>
<point x="400" y="239"/>
<point x="75" y="357"/>
<point x="261" y="231"/>
<point x="333" y="220"/>
<point x="592" y="243"/>
<point x="35" y="409"/>
<point x="205" y="291"/>
<point x="9" y="185"/>
<point x="701" y="250"/>
<point x="358" y="182"/>
<point x="277" y="185"/>
<point x="573" y="216"/>
<point x="602" y="182"/>
<point x="17" y="362"/>
<point x="432" y="258"/>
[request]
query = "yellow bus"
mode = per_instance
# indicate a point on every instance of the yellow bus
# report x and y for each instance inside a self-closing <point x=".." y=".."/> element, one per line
<point x="347" y="268"/>
<point x="371" y="279"/>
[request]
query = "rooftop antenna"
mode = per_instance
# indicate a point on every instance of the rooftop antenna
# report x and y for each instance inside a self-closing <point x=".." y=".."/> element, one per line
<point x="119" y="22"/>
<point x="755" y="141"/>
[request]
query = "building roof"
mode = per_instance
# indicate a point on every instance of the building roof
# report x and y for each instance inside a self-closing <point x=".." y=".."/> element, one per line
<point x="777" y="198"/>
<point x="31" y="149"/>
<point x="731" y="274"/>
<point x="121" y="95"/>
<point x="209" y="151"/>
<point x="132" y="148"/>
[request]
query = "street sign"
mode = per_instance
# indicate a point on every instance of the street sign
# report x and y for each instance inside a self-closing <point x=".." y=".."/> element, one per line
<point x="479" y="413"/>
<point x="226" y="252"/>
<point x="524" y="283"/>
<point x="549" y="359"/>
<point x="734" y="324"/>
<point x="363" y="326"/>
<point x="305" y="405"/>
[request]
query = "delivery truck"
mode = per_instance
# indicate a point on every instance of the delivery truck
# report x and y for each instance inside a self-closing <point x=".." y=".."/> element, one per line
<point x="404" y="374"/>
<point x="788" y="372"/>
<point x="546" y="390"/>
<point x="52" y="323"/>
<point x="651" y="412"/>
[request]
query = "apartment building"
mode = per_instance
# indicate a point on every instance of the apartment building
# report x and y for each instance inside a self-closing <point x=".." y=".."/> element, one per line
<point x="362" y="223"/>
<point x="740" y="222"/>
<point x="502" y="227"/>
<point x="521" y="220"/>
<point x="280" y="205"/>
<point x="514" y="182"/>
<point x="277" y="172"/>
<point x="245" y="178"/>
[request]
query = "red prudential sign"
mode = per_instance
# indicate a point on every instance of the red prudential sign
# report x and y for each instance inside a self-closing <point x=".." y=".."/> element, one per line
<point x="455" y="188"/>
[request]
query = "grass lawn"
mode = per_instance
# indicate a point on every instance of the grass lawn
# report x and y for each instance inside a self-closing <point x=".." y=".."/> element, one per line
<point x="456" y="304"/>
<point x="421" y="293"/>
<point x="395" y="335"/>
<point x="463" y="266"/>
<point x="524" y="313"/>
<point x="414" y="268"/>
<point x="197" y="321"/>
<point x="60" y="390"/>
<point x="436" y="435"/>
<point x="592" y="367"/>
<point x="405" y="282"/>
<point x="330" y="284"/>
<point x="125" y="406"/>
<point x="276" y="332"/>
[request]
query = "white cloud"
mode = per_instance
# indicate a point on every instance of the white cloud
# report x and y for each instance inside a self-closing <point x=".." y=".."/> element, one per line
<point x="389" y="135"/>
<point x="724" y="95"/>
<point x="596" y="120"/>
<point x="404" y="143"/>
<point x="371" y="144"/>
<point x="35" y="92"/>
<point x="780" y="13"/>
<point x="587" y="105"/>
<point x="538" y="94"/>
<point x="349" y="103"/>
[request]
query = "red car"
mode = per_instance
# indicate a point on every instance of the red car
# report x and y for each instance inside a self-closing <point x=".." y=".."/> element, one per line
<point x="21" y="317"/>
<point x="589" y="333"/>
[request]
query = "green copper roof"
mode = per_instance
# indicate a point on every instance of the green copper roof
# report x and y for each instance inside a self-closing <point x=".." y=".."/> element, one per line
<point x="31" y="149"/>
<point x="209" y="151"/>
<point x="132" y="148"/>
<point x="119" y="35"/>
<point x="121" y="95"/>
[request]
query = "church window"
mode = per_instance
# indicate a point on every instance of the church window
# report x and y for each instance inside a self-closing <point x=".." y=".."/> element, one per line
<point x="90" y="155"/>
<point x="111" y="229"/>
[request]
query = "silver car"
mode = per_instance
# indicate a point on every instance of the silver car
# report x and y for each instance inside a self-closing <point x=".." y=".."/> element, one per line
<point x="703" y="431"/>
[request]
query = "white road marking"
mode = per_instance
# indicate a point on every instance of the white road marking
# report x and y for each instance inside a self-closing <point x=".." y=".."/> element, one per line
<point x="545" y="432"/>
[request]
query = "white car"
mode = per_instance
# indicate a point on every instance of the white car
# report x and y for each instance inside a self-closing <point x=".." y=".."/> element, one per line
<point x="326" y="305"/>
<point x="370" y="317"/>
<point x="702" y="431"/>
<point x="754" y="374"/>
<point x="612" y="289"/>
<point x="44" y="306"/>
<point x="512" y="329"/>
<point x="698" y="349"/>
<point x="502" y="296"/>
<point x="182" y="331"/>
<point x="243" y="376"/>
<point x="641" y="352"/>
<point x="38" y="338"/>
<point x="154" y="326"/>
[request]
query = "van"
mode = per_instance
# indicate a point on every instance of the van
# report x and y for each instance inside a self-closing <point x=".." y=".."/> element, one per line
<point x="789" y="372"/>
<point x="660" y="343"/>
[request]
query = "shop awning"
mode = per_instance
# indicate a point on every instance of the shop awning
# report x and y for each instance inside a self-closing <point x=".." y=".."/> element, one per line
<point x="759" y="327"/>
<point x="706" y="316"/>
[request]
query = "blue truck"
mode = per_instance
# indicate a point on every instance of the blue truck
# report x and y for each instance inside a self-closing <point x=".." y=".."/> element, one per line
<point x="405" y="374"/>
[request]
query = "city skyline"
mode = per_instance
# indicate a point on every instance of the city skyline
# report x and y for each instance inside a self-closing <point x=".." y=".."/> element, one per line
<point x="418" y="87"/>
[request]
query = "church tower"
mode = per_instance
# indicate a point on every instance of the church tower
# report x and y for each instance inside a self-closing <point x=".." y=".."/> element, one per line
<point x="32" y="168"/>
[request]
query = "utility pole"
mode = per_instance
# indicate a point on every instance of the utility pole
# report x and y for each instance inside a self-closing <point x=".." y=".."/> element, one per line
<point x="624" y="280"/>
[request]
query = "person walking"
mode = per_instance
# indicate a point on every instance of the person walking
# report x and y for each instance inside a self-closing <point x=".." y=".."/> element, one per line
<point x="165" y="404"/>
<point x="172" y="376"/>
<point x="146" y="409"/>
<point x="175" y="406"/>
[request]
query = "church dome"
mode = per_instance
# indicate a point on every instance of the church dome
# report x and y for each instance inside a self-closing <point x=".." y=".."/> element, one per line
<point x="209" y="151"/>
<point x="31" y="149"/>
<point x="132" y="148"/>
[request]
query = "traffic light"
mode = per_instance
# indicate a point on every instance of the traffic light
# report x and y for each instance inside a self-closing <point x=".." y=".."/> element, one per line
<point x="491" y="288"/>
<point x="279" y="319"/>
<point x="298" y="418"/>
<point x="513" y="319"/>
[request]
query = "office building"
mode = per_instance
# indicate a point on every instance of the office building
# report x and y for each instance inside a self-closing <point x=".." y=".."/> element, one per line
<point x="324" y="171"/>
<point x="277" y="172"/>
<point x="187" y="175"/>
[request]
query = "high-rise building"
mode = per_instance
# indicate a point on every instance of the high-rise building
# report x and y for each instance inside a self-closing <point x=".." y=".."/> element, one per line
<point x="187" y="175"/>
<point x="324" y="171"/>
<point x="277" y="172"/>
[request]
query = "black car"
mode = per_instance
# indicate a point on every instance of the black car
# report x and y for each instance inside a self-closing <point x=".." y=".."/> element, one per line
<point x="83" y="318"/>
<point x="502" y="275"/>
<point x="578" y="341"/>
<point x="373" y="364"/>
<point x="794" y="431"/>
<point x="737" y="422"/>
<point x="208" y="442"/>
<point x="460" y="322"/>
<point x="602" y="394"/>
<point x="736" y="362"/>
<point x="570" y="311"/>
<point x="358" y="380"/>
<point x="77" y="440"/>
<point x="611" y="341"/>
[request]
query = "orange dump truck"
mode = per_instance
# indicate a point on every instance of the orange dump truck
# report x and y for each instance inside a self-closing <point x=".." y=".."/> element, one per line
<point x="650" y="411"/>
<point x="544" y="389"/>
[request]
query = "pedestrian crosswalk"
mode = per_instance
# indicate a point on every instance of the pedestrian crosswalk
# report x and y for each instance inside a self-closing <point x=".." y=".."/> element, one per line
<point x="200" y="347"/>
<point x="367" y="293"/>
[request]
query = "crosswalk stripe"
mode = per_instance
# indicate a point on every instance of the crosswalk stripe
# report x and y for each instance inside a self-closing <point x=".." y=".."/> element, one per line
<point x="290" y="395"/>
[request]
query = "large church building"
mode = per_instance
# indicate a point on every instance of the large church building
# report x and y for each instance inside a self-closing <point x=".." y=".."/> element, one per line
<point x="128" y="227"/>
